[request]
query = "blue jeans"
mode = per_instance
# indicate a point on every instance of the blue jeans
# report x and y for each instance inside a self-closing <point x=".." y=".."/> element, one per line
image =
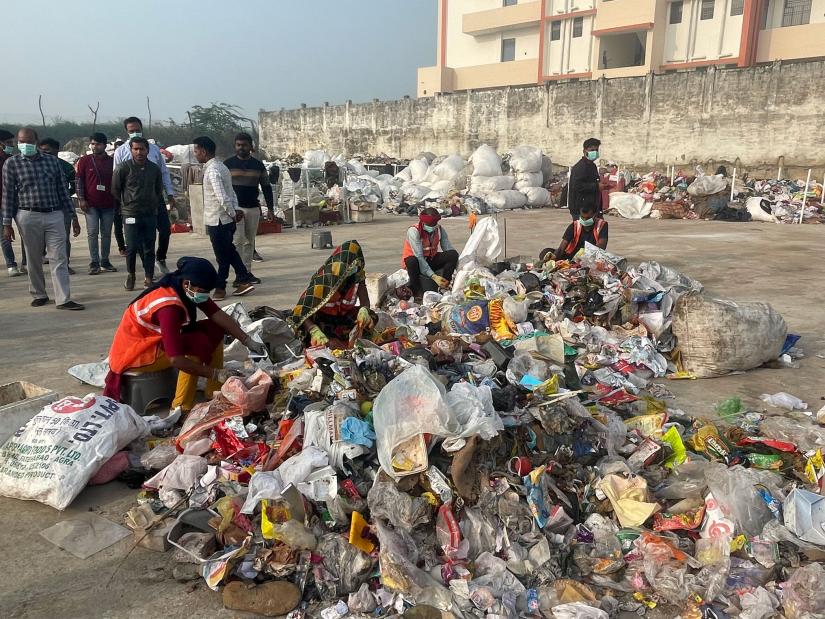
<point x="99" y="224"/>
<point x="8" y="251"/>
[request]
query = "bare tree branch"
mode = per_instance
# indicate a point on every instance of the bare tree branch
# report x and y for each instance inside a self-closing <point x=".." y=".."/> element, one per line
<point x="149" y="107"/>
<point x="94" y="116"/>
<point x="40" y="105"/>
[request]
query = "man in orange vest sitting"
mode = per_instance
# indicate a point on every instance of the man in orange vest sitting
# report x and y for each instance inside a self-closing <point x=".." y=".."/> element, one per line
<point x="422" y="257"/>
<point x="586" y="229"/>
<point x="160" y="329"/>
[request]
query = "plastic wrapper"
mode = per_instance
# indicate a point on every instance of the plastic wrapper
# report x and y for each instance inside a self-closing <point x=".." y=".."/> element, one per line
<point x="473" y="409"/>
<point x="784" y="400"/>
<point x="182" y="474"/>
<point x="248" y="394"/>
<point x="806" y="436"/>
<point x="803" y="595"/>
<point x="734" y="491"/>
<point x="578" y="610"/>
<point x="478" y="531"/>
<point x="386" y="501"/>
<point x="398" y="556"/>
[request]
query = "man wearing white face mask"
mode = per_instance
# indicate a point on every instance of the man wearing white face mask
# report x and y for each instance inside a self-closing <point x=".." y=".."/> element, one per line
<point x="585" y="180"/>
<point x="35" y="196"/>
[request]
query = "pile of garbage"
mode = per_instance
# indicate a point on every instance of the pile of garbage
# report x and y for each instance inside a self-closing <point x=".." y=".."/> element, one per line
<point x="709" y="196"/>
<point x="504" y="449"/>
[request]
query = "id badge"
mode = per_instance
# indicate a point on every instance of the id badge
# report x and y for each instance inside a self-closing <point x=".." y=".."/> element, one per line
<point x="101" y="187"/>
<point x="129" y="220"/>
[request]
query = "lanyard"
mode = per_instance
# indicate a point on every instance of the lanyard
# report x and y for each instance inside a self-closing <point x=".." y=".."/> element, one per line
<point x="97" y="172"/>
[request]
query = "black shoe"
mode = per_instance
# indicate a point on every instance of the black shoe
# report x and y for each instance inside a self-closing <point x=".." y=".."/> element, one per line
<point x="39" y="302"/>
<point x="252" y="279"/>
<point x="256" y="257"/>
<point x="94" y="270"/>
<point x="71" y="306"/>
<point x="108" y="267"/>
<point x="71" y="271"/>
<point x="130" y="282"/>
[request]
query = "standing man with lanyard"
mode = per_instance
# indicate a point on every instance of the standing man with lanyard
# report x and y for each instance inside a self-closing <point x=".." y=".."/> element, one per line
<point x="248" y="174"/>
<point x="94" y="193"/>
<point x="35" y="196"/>
<point x="134" y="127"/>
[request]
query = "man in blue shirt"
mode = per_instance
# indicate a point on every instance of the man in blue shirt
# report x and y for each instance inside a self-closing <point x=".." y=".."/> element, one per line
<point x="134" y="127"/>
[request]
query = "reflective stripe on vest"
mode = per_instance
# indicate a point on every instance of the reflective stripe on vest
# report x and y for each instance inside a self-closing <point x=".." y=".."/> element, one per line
<point x="577" y="235"/>
<point x="340" y="304"/>
<point x="429" y="243"/>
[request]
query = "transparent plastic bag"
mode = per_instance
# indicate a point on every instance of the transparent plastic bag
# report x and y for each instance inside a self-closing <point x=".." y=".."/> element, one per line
<point x="411" y="404"/>
<point x="784" y="400"/>
<point x="478" y="531"/>
<point x="733" y="489"/>
<point x="473" y="409"/>
<point x="386" y="501"/>
<point x="248" y="394"/>
<point x="803" y="595"/>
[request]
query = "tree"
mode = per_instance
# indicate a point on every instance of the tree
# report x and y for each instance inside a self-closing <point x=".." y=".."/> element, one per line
<point x="221" y="119"/>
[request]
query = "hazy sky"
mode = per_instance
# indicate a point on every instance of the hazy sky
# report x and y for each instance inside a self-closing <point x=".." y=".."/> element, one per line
<point x="255" y="53"/>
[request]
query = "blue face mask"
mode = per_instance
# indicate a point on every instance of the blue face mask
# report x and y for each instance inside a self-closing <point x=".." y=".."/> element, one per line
<point x="429" y="229"/>
<point x="587" y="223"/>
<point x="592" y="155"/>
<point x="27" y="150"/>
<point x="136" y="134"/>
<point x="197" y="297"/>
<point x="8" y="149"/>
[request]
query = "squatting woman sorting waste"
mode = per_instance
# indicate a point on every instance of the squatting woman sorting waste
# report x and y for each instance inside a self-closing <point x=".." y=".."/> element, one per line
<point x="159" y="329"/>
<point x="327" y="309"/>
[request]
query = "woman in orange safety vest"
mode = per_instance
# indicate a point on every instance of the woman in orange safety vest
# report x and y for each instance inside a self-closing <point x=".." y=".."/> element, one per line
<point x="160" y="329"/>
<point x="427" y="250"/>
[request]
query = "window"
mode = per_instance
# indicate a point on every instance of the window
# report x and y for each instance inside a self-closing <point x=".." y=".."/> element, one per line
<point x="707" y="9"/>
<point x="676" y="12"/>
<point x="510" y="3"/>
<point x="508" y="50"/>
<point x="555" y="30"/>
<point x="737" y="7"/>
<point x="578" y="24"/>
<point x="796" y="13"/>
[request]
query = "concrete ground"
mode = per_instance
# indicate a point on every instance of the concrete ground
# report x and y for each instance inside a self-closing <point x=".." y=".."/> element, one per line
<point x="745" y="262"/>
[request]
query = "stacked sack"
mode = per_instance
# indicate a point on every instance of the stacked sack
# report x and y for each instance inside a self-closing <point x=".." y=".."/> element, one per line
<point x="432" y="178"/>
<point x="490" y="183"/>
<point x="526" y="164"/>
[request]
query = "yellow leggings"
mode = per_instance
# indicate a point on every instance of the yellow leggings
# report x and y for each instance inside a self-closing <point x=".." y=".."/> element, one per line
<point x="187" y="383"/>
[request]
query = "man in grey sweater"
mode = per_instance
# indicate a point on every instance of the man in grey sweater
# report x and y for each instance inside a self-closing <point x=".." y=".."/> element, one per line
<point x="138" y="188"/>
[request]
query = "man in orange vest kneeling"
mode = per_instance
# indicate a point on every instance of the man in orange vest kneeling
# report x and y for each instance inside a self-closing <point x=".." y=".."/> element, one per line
<point x="422" y="257"/>
<point x="160" y="329"/>
<point x="586" y="229"/>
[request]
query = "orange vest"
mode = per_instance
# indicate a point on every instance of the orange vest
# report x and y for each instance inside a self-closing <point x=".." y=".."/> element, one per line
<point x="341" y="304"/>
<point x="430" y="243"/>
<point x="137" y="339"/>
<point x="598" y="225"/>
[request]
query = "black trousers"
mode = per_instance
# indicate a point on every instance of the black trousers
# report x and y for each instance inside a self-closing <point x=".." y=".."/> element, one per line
<point x="140" y="240"/>
<point x="445" y="261"/>
<point x="118" y="226"/>
<point x="226" y="254"/>
<point x="164" y="231"/>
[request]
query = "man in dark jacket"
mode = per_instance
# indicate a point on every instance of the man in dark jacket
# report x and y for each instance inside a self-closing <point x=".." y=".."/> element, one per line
<point x="585" y="179"/>
<point x="138" y="186"/>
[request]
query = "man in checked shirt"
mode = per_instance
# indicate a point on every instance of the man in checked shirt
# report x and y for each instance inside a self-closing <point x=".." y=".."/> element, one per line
<point x="35" y="196"/>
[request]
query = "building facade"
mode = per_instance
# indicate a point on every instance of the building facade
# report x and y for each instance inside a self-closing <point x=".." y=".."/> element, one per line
<point x="494" y="43"/>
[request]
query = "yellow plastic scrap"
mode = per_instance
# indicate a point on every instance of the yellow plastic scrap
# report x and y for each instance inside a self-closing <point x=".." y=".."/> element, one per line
<point x="647" y="425"/>
<point x="814" y="467"/>
<point x="628" y="496"/>
<point x="356" y="534"/>
<point x="648" y="602"/>
<point x="548" y="387"/>
<point x="674" y="439"/>
<point x="738" y="543"/>
<point x="681" y="375"/>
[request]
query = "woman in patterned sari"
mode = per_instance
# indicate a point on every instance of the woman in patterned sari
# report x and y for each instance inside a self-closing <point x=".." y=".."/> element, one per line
<point x="336" y="299"/>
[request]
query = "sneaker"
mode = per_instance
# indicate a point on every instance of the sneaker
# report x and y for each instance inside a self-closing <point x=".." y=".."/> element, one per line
<point x="130" y="282"/>
<point x="71" y="271"/>
<point x="108" y="267"/>
<point x="14" y="272"/>
<point x="219" y="294"/>
<point x="39" y="302"/>
<point x="71" y="306"/>
<point x="161" y="266"/>
<point x="243" y="289"/>
<point x="147" y="281"/>
<point x="94" y="270"/>
<point x="256" y="257"/>
<point x="252" y="280"/>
